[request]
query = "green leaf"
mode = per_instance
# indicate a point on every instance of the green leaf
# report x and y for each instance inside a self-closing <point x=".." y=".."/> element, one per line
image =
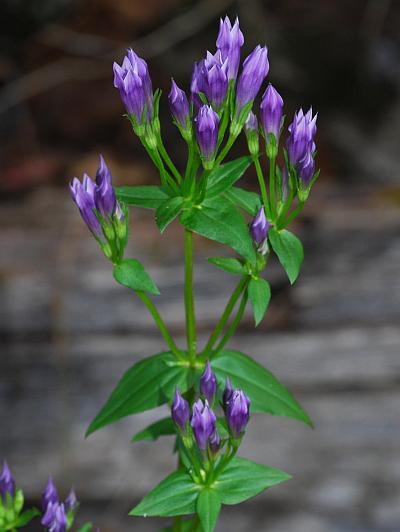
<point x="229" y="265"/>
<point x="186" y="526"/>
<point x="26" y="517"/>
<point x="87" y="527"/>
<point x="248" y="201"/>
<point x="259" y="294"/>
<point x="168" y="211"/>
<point x="243" y="479"/>
<point x="225" y="176"/>
<point x="163" y="427"/>
<point x="175" y="495"/>
<point x="131" y="273"/>
<point x="149" y="197"/>
<point x="266" y="393"/>
<point x="289" y="250"/>
<point x="149" y="383"/>
<point x="226" y="227"/>
<point x="208" y="507"/>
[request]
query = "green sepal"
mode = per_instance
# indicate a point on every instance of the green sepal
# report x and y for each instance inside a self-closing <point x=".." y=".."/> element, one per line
<point x="246" y="200"/>
<point x="224" y="177"/>
<point x="146" y="385"/>
<point x="175" y="495"/>
<point x="149" y="197"/>
<point x="259" y="292"/>
<point x="131" y="273"/>
<point x="208" y="507"/>
<point x="163" y="427"/>
<point x="289" y="250"/>
<point x="266" y="393"/>
<point x="168" y="211"/>
<point x="229" y="265"/>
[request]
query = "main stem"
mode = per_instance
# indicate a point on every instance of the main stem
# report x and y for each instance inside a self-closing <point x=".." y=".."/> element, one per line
<point x="189" y="297"/>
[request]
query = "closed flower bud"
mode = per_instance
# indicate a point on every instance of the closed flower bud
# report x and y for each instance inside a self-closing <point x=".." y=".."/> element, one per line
<point x="301" y="136"/>
<point x="7" y="482"/>
<point x="255" y="70"/>
<point x="83" y="195"/>
<point x="180" y="411"/>
<point x="55" y="518"/>
<point x="271" y="113"/>
<point x="179" y="105"/>
<point x="207" y="132"/>
<point x="238" y="413"/>
<point x="230" y="40"/>
<point x="71" y="502"/>
<point x="227" y="393"/>
<point x="49" y="495"/>
<point x="251" y="130"/>
<point x="105" y="196"/>
<point x="259" y="227"/>
<point x="215" y="442"/>
<point x="208" y="383"/>
<point x="210" y="78"/>
<point x="203" y="423"/>
<point x="132" y="79"/>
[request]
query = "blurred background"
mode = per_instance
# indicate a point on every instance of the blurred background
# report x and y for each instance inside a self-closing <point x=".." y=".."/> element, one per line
<point x="68" y="332"/>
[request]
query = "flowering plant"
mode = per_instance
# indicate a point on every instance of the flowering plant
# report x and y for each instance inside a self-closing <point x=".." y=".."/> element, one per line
<point x="205" y="199"/>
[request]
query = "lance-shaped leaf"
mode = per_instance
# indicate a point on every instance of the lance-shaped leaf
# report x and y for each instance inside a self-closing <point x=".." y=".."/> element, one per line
<point x="163" y="427"/>
<point x="229" y="265"/>
<point x="149" y="197"/>
<point x="243" y="479"/>
<point x="248" y="201"/>
<point x="266" y="393"/>
<point x="24" y="518"/>
<point x="226" y="226"/>
<point x="175" y="495"/>
<point x="149" y="383"/>
<point x="289" y="250"/>
<point x="131" y="273"/>
<point x="168" y="211"/>
<point x="223" y="177"/>
<point x="259" y="294"/>
<point x="208" y="507"/>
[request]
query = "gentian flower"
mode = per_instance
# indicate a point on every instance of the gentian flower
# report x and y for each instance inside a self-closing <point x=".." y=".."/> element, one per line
<point x="227" y="393"/>
<point x="259" y="227"/>
<point x="179" y="105"/>
<point x="271" y="112"/>
<point x="255" y="70"/>
<point x="71" y="502"/>
<point x="83" y="195"/>
<point x="229" y="41"/>
<point x="7" y="482"/>
<point x="180" y="411"/>
<point x="210" y="78"/>
<point x="215" y="442"/>
<point x="207" y="131"/>
<point x="203" y="423"/>
<point x="208" y="383"/>
<point x="49" y="496"/>
<point x="251" y="130"/>
<point x="132" y="79"/>
<point x="238" y="412"/>
<point x="105" y="199"/>
<point x="55" y="518"/>
<point x="301" y="136"/>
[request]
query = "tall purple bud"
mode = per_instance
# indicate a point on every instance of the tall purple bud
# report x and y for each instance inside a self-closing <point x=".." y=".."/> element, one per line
<point x="271" y="113"/>
<point x="229" y="41"/>
<point x="255" y="70"/>
<point x="207" y="132"/>
<point x="105" y="199"/>
<point x="251" y="130"/>
<point x="215" y="442"/>
<point x="71" y="502"/>
<point x="55" y="518"/>
<point x="214" y="80"/>
<point x="301" y="136"/>
<point x="208" y="383"/>
<point x="228" y="391"/>
<point x="259" y="227"/>
<point x="83" y="195"/>
<point x="132" y="79"/>
<point x="203" y="423"/>
<point x="7" y="482"/>
<point x="179" y="105"/>
<point x="238" y="413"/>
<point x="180" y="411"/>
<point x="49" y="495"/>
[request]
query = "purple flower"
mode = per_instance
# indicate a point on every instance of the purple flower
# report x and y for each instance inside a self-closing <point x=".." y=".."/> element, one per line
<point x="132" y="79"/>
<point x="209" y="77"/>
<point x="49" y="496"/>
<point x="71" y="502"/>
<point x="230" y="40"/>
<point x="259" y="227"/>
<point x="208" y="383"/>
<point x="227" y="393"/>
<point x="7" y="482"/>
<point x="207" y="131"/>
<point x="83" y="195"/>
<point x="251" y="123"/>
<point x="306" y="169"/>
<point x="180" y="411"/>
<point x="255" y="70"/>
<point x="251" y="130"/>
<point x="301" y="136"/>
<point x="105" y="199"/>
<point x="215" y="442"/>
<point x="271" y="112"/>
<point x="55" y="518"/>
<point x="203" y="423"/>
<point x="238" y="412"/>
<point x="179" y="105"/>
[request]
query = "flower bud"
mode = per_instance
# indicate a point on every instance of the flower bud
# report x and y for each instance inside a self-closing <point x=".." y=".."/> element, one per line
<point x="179" y="105"/>
<point x="49" y="495"/>
<point x="55" y="518"/>
<point x="180" y="411"/>
<point x="238" y="412"/>
<point x="83" y="195"/>
<point x="105" y="199"/>
<point x="71" y="502"/>
<point x="203" y="423"/>
<point x="255" y="70"/>
<point x="209" y="77"/>
<point x="7" y="482"/>
<point x="259" y="227"/>
<point x="227" y="393"/>
<point x="251" y="130"/>
<point x="301" y="136"/>
<point x="208" y="383"/>
<point x="215" y="442"/>
<point x="230" y="40"/>
<point x="271" y="113"/>
<point x="207" y="132"/>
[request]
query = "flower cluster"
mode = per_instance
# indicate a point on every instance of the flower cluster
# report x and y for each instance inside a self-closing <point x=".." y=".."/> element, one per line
<point x="103" y="214"/>
<point x="57" y="516"/>
<point x="203" y="428"/>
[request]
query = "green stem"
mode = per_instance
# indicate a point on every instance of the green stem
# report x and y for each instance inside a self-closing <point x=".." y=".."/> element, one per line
<point x="225" y="316"/>
<point x="272" y="187"/>
<point x="189" y="297"/>
<point x="263" y="188"/>
<point x="160" y="323"/>
<point x="225" y="150"/>
<point x="234" y="325"/>
<point x="168" y="160"/>
<point x="195" y="523"/>
<point x="294" y="213"/>
<point x="177" y="525"/>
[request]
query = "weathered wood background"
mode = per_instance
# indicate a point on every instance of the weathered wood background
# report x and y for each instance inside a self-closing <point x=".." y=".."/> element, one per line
<point x="68" y="332"/>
